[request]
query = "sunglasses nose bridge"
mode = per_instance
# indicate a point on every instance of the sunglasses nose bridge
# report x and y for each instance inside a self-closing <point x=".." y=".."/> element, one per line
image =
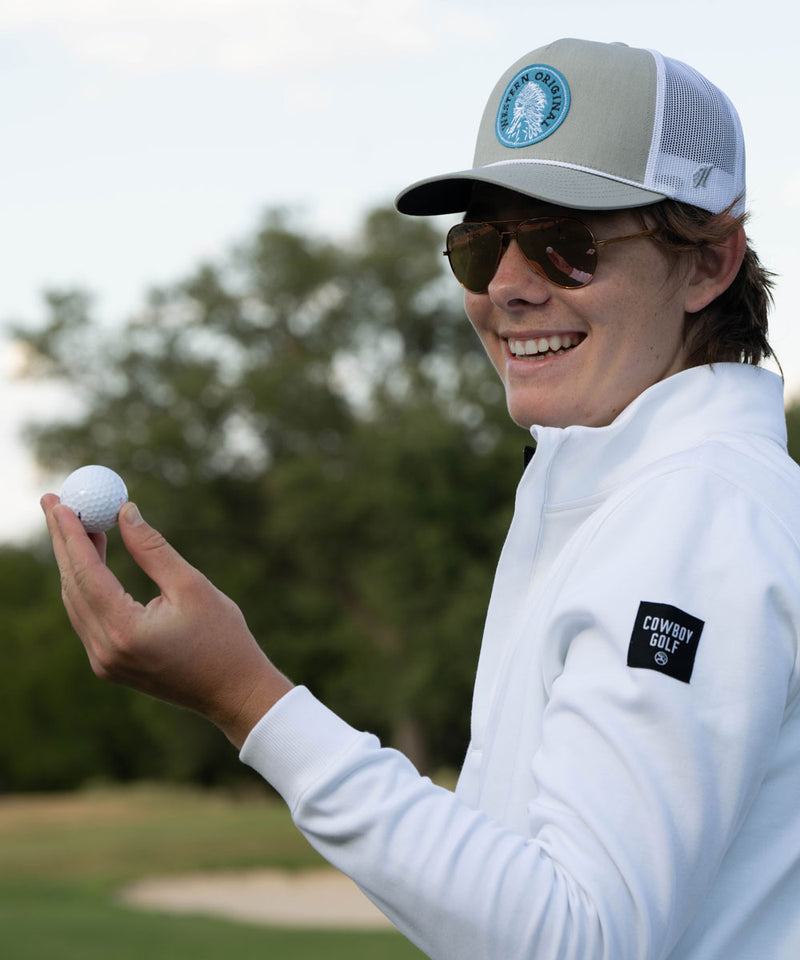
<point x="519" y="233"/>
<point x="508" y="274"/>
<point x="506" y="239"/>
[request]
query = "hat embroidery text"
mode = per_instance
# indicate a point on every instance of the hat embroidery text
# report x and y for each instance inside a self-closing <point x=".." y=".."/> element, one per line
<point x="533" y="105"/>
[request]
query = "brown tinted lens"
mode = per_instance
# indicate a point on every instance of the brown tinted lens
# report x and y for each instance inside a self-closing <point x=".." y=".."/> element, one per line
<point x="474" y="251"/>
<point x="563" y="249"/>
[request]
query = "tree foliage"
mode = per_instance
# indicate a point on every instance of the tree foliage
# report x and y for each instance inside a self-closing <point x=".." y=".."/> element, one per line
<point x="315" y="426"/>
<point x="793" y="429"/>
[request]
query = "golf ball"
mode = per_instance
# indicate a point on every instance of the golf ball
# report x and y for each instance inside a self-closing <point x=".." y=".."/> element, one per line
<point x="95" y="494"/>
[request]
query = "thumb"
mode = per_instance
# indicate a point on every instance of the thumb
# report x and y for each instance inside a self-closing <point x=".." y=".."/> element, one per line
<point x="157" y="558"/>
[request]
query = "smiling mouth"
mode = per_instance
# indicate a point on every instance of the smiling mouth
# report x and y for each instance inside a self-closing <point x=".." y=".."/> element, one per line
<point x="541" y="347"/>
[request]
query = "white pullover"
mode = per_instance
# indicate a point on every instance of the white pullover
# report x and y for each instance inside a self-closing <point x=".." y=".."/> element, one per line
<point x="632" y="785"/>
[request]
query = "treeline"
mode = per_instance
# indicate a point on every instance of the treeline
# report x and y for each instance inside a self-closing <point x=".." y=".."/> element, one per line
<point x="315" y="426"/>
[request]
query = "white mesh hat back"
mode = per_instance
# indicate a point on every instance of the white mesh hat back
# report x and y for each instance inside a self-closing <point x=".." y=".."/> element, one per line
<point x="599" y="126"/>
<point x="698" y="149"/>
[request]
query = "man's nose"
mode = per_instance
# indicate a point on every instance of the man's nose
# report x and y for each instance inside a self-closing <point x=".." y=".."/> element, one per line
<point x="517" y="279"/>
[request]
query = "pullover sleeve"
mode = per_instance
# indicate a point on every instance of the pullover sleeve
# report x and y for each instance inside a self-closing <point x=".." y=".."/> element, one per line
<point x="641" y="781"/>
<point x="447" y="877"/>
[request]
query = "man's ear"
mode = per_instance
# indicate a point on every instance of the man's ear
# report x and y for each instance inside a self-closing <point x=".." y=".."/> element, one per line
<point x="713" y="270"/>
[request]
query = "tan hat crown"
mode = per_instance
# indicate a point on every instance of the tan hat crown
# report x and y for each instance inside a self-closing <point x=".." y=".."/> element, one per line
<point x="600" y="126"/>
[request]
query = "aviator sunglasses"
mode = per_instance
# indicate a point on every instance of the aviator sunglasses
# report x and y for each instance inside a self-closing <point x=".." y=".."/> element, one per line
<point x="559" y="248"/>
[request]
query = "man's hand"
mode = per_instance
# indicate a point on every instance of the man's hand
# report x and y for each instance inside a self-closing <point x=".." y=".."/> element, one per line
<point x="189" y="646"/>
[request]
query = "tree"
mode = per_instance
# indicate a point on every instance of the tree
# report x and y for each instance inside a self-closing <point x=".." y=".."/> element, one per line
<point x="315" y="426"/>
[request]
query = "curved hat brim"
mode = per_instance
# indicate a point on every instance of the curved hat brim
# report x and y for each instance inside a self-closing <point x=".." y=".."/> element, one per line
<point x="550" y="182"/>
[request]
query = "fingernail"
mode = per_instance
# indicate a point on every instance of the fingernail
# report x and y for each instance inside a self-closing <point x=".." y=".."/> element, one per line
<point x="130" y="514"/>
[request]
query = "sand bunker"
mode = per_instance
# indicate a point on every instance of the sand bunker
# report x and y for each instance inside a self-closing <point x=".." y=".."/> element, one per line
<point x="307" y="898"/>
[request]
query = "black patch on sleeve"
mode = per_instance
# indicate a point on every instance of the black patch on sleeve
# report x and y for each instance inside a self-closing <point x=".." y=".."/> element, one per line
<point x="665" y="639"/>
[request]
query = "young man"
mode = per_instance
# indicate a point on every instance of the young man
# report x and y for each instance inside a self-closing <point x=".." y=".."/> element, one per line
<point x="629" y="789"/>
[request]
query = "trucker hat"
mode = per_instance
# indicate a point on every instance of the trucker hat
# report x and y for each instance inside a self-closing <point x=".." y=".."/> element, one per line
<point x="599" y="126"/>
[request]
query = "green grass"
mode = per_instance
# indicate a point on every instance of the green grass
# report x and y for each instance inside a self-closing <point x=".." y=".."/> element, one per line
<point x="63" y="858"/>
<point x="110" y="836"/>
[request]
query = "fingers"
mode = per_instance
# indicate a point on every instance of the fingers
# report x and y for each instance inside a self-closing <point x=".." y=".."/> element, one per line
<point x="157" y="558"/>
<point x="79" y="555"/>
<point x="87" y="585"/>
<point x="48" y="502"/>
<point x="190" y="645"/>
<point x="85" y="579"/>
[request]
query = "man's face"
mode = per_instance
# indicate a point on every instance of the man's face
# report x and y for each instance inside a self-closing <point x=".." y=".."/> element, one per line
<point x="599" y="346"/>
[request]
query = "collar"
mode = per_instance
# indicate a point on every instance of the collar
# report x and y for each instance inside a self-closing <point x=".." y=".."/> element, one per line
<point x="733" y="399"/>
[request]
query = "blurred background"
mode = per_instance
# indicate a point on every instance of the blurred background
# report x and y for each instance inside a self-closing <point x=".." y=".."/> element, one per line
<point x="206" y="289"/>
<point x="142" y="137"/>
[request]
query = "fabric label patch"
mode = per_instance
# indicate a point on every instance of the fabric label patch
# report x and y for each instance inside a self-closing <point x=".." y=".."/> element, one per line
<point x="533" y="106"/>
<point x="665" y="639"/>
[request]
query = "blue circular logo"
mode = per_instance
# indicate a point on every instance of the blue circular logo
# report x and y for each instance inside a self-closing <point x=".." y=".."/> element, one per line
<point x="534" y="105"/>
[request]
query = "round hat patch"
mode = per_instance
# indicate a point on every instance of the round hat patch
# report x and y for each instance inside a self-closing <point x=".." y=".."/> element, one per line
<point x="534" y="105"/>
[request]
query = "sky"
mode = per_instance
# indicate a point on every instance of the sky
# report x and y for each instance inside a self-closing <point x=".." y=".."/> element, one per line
<point x="141" y="137"/>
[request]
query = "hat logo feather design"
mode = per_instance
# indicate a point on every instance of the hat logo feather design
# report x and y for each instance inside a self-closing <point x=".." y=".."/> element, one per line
<point x="533" y="106"/>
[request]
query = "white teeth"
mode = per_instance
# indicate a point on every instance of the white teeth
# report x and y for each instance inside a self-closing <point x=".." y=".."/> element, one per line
<point x="554" y="344"/>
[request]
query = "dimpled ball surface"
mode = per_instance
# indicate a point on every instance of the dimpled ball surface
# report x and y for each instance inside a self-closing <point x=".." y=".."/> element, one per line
<point x="95" y="494"/>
